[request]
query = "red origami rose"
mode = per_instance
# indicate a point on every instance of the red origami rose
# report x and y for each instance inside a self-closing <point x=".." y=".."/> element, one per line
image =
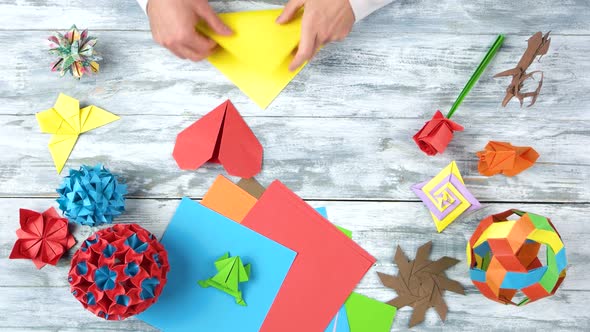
<point x="436" y="134"/>
<point x="119" y="271"/>
<point x="42" y="237"/>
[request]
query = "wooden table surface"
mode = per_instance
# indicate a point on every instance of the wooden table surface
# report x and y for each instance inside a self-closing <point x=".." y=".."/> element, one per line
<point x="339" y="135"/>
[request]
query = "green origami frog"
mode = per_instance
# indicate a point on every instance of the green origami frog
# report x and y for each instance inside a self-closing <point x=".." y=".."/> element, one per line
<point x="230" y="272"/>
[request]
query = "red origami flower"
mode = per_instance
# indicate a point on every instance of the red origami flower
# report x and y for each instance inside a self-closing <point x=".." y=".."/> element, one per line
<point x="42" y="237"/>
<point x="436" y="134"/>
<point x="119" y="271"/>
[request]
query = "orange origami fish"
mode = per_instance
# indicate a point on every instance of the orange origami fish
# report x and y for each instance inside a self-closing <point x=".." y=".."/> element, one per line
<point x="503" y="157"/>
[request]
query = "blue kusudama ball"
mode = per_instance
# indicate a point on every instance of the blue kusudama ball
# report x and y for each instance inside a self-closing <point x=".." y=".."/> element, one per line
<point x="91" y="196"/>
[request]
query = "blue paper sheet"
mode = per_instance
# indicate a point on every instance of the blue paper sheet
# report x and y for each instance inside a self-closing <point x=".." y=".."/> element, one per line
<point x="322" y="211"/>
<point x="194" y="239"/>
<point x="340" y="322"/>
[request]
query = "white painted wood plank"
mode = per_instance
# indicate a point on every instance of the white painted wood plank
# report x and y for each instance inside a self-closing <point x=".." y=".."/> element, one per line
<point x="368" y="75"/>
<point x="415" y="16"/>
<point x="566" y="311"/>
<point x="377" y="227"/>
<point x="322" y="158"/>
<point x="57" y="14"/>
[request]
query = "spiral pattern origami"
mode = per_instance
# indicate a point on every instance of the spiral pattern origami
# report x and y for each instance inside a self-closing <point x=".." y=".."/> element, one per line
<point x="446" y="196"/>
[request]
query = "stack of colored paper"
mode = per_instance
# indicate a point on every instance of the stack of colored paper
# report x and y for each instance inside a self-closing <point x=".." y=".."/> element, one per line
<point x="302" y="265"/>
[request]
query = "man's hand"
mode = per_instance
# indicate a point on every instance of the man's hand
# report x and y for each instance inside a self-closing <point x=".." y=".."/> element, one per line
<point x="323" y="21"/>
<point x="173" y="26"/>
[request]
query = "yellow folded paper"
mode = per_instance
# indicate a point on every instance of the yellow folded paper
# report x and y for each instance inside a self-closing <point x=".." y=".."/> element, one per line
<point x="256" y="57"/>
<point x="66" y="121"/>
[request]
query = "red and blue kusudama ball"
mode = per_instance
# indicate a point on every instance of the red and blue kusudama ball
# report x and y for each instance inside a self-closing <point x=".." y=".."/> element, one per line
<point x="119" y="271"/>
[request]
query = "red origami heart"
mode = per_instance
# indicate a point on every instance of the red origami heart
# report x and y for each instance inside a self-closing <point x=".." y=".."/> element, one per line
<point x="42" y="237"/>
<point x="436" y="134"/>
<point x="223" y="137"/>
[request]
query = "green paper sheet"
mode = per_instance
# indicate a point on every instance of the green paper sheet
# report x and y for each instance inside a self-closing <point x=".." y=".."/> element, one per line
<point x="345" y="231"/>
<point x="368" y="315"/>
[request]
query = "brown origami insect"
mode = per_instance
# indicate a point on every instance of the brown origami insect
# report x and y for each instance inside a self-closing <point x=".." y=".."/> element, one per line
<point x="421" y="283"/>
<point x="538" y="45"/>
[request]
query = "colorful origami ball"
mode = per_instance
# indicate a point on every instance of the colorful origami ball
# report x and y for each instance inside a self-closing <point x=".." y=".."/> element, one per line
<point x="42" y="237"/>
<point x="436" y="134"/>
<point x="446" y="196"/>
<point x="75" y="53"/>
<point x="119" y="271"/>
<point x="91" y="196"/>
<point x="502" y="256"/>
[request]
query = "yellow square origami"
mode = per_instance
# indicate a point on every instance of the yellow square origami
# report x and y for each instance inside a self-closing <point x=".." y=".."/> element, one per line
<point x="256" y="57"/>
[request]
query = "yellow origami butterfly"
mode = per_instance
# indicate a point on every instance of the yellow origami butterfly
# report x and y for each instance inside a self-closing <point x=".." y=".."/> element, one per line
<point x="66" y="121"/>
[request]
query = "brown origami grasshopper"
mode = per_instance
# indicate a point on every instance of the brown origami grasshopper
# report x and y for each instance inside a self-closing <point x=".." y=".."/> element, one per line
<point x="538" y="45"/>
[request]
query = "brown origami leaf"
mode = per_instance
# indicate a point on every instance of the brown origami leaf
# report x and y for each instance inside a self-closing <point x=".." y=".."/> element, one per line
<point x="505" y="158"/>
<point x="421" y="283"/>
<point x="538" y="45"/>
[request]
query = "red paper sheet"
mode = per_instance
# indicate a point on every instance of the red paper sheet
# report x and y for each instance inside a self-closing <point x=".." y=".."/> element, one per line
<point x="326" y="270"/>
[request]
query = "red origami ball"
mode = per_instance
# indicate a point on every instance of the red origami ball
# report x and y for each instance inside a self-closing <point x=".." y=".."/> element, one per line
<point x="119" y="271"/>
<point x="436" y="134"/>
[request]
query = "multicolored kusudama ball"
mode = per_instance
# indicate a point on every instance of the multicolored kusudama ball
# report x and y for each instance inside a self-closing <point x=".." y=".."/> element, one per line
<point x="75" y="53"/>
<point x="119" y="271"/>
<point x="91" y="196"/>
<point x="503" y="257"/>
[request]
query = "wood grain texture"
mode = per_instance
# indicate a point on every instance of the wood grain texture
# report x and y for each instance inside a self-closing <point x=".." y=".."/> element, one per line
<point x="378" y="227"/>
<point x="402" y="16"/>
<point x="320" y="158"/>
<point x="371" y="74"/>
<point x="339" y="135"/>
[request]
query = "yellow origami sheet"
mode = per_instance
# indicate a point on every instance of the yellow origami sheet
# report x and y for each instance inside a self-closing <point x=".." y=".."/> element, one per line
<point x="66" y="121"/>
<point x="446" y="196"/>
<point x="256" y="57"/>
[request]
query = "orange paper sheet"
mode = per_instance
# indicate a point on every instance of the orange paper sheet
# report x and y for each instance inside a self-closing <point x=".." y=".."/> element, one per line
<point x="227" y="199"/>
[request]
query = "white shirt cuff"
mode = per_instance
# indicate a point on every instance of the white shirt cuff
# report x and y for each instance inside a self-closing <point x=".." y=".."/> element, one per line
<point x="143" y="4"/>
<point x="362" y="8"/>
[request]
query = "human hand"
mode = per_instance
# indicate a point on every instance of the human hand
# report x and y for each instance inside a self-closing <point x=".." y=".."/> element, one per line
<point x="173" y="26"/>
<point x="323" y="21"/>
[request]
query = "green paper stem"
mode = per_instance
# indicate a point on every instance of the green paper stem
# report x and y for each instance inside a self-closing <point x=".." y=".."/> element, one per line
<point x="480" y="69"/>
